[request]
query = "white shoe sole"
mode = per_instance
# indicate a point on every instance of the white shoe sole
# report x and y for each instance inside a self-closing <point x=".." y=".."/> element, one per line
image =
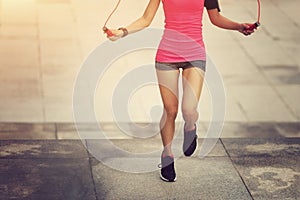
<point x="164" y="179"/>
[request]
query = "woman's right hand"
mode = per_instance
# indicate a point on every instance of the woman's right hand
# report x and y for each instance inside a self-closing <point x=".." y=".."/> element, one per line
<point x="117" y="34"/>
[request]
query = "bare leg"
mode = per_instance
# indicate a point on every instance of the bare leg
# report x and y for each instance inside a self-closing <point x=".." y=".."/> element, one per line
<point x="168" y="86"/>
<point x="192" y="87"/>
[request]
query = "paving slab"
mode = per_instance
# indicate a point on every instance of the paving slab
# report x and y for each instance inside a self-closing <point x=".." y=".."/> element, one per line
<point x="25" y="50"/>
<point x="289" y="129"/>
<point x="60" y="7"/>
<point x="270" y="167"/>
<point x="18" y="31"/>
<point x="290" y="94"/>
<point x="282" y="75"/>
<point x="209" y="178"/>
<point x="253" y="78"/>
<point x="18" y="12"/>
<point x="59" y="26"/>
<point x="250" y="130"/>
<point x="270" y="178"/>
<point x="289" y="8"/>
<point x="234" y="111"/>
<point x="53" y="113"/>
<point x="27" y="131"/>
<point x="42" y="149"/>
<point x="262" y="103"/>
<point x="106" y="148"/>
<point x="292" y="48"/>
<point x="262" y="147"/>
<point x="256" y="48"/>
<point x="60" y="53"/>
<point x="22" y="113"/>
<point x="50" y="169"/>
<point x="47" y="179"/>
<point x="242" y="64"/>
<point x="271" y="23"/>
<point x="20" y="92"/>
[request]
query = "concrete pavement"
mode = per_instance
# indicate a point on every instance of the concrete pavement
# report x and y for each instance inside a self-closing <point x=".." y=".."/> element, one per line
<point x="43" y="44"/>
<point x="48" y="161"/>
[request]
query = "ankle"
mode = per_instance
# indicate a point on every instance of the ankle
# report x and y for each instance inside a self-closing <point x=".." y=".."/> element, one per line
<point x="189" y="127"/>
<point x="167" y="153"/>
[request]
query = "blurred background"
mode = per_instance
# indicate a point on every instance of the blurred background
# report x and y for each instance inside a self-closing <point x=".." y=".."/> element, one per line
<point x="44" y="42"/>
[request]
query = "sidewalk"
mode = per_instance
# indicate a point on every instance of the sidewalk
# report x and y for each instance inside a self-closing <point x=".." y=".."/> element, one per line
<point x="44" y="42"/>
<point x="48" y="161"/>
<point x="42" y="46"/>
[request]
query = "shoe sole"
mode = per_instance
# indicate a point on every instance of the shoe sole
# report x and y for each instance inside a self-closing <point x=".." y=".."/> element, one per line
<point x="164" y="179"/>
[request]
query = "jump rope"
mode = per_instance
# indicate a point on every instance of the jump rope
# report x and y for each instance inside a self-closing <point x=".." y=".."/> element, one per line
<point x="105" y="29"/>
<point x="257" y="23"/>
<point x="110" y="34"/>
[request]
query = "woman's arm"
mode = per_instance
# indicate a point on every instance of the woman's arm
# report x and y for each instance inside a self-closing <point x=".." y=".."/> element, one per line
<point x="141" y="22"/>
<point x="222" y="22"/>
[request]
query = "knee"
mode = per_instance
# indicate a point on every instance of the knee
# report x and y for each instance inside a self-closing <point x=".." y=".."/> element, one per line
<point x="189" y="113"/>
<point x="171" y="113"/>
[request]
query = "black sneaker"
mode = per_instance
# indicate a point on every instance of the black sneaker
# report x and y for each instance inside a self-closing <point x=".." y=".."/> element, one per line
<point x="190" y="142"/>
<point x="167" y="172"/>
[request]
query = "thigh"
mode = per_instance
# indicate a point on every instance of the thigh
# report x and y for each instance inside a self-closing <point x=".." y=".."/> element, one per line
<point x="168" y="86"/>
<point x="192" y="80"/>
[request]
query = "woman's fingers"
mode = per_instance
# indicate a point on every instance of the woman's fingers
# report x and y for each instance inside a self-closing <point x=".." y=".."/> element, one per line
<point x="116" y="34"/>
<point x="246" y="29"/>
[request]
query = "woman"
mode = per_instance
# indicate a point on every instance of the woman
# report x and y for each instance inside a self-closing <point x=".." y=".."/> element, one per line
<point x="181" y="47"/>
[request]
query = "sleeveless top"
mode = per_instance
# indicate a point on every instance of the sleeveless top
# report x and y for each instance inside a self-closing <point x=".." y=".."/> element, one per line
<point x="182" y="39"/>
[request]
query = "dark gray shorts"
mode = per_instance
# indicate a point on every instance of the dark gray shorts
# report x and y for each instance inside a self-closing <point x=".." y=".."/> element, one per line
<point x="177" y="65"/>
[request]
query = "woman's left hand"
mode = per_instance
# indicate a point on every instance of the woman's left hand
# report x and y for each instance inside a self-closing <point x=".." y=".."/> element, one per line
<point x="244" y="29"/>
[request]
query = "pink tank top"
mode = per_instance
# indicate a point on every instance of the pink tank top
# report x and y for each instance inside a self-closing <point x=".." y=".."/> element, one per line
<point x="182" y="39"/>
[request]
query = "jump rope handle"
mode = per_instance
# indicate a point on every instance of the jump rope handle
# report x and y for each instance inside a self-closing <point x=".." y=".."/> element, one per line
<point x="108" y="32"/>
<point x="253" y="26"/>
